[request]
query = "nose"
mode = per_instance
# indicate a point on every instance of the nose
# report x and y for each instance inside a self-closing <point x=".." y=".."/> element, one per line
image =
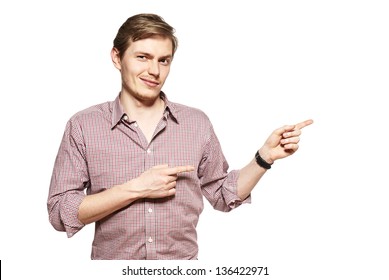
<point x="153" y="68"/>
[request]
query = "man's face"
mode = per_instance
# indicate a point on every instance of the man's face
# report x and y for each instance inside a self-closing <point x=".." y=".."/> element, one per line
<point x="145" y="67"/>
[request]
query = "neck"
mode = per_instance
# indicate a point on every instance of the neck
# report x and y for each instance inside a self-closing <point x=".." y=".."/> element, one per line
<point x="138" y="109"/>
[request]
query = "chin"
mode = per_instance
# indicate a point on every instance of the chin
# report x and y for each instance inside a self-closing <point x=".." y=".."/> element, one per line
<point x="149" y="96"/>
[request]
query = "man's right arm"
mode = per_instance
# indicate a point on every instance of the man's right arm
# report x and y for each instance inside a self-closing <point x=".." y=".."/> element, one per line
<point x="157" y="182"/>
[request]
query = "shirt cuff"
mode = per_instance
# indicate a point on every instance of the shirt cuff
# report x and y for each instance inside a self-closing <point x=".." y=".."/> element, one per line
<point x="231" y="197"/>
<point x="69" y="213"/>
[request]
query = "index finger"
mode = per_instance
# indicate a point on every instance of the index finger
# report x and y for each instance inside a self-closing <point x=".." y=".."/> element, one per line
<point x="304" y="124"/>
<point x="179" y="169"/>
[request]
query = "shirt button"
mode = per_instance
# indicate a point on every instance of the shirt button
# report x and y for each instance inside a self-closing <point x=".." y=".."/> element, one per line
<point x="125" y="117"/>
<point x="135" y="124"/>
<point x="150" y="210"/>
<point x="148" y="151"/>
<point x="150" y="240"/>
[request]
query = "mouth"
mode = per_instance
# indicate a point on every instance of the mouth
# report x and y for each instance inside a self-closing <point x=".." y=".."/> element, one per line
<point x="150" y="82"/>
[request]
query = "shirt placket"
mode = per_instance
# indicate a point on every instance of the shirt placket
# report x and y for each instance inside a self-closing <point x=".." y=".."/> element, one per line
<point x="149" y="216"/>
<point x="150" y="221"/>
<point x="149" y="205"/>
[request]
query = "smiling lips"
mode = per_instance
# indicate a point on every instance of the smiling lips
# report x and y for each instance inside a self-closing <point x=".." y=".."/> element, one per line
<point x="149" y="82"/>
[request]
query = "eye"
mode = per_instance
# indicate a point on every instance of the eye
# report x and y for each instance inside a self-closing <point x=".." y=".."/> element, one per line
<point x="165" y="61"/>
<point x="141" y="57"/>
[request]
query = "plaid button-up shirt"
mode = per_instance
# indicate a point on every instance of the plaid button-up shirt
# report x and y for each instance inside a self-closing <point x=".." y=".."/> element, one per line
<point x="101" y="148"/>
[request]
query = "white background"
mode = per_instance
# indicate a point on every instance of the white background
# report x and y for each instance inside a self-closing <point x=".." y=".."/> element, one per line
<point x="252" y="66"/>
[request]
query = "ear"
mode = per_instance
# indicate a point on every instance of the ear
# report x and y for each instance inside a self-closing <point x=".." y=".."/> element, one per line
<point x="116" y="58"/>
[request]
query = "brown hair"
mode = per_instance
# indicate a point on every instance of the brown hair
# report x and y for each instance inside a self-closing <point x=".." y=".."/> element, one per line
<point x="140" y="27"/>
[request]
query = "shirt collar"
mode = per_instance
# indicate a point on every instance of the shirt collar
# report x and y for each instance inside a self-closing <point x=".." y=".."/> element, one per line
<point x="118" y="111"/>
<point x="170" y="108"/>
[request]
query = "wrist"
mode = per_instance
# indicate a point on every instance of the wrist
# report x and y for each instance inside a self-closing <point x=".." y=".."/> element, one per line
<point x="265" y="155"/>
<point x="128" y="190"/>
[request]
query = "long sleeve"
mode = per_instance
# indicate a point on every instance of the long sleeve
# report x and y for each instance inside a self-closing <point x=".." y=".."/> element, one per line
<point x="68" y="181"/>
<point x="218" y="184"/>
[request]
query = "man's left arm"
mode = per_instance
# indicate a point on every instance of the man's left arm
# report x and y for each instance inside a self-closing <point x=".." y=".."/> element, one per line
<point x="281" y="143"/>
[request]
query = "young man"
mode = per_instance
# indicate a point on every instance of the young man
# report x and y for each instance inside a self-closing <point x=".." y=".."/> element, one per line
<point x="146" y="162"/>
